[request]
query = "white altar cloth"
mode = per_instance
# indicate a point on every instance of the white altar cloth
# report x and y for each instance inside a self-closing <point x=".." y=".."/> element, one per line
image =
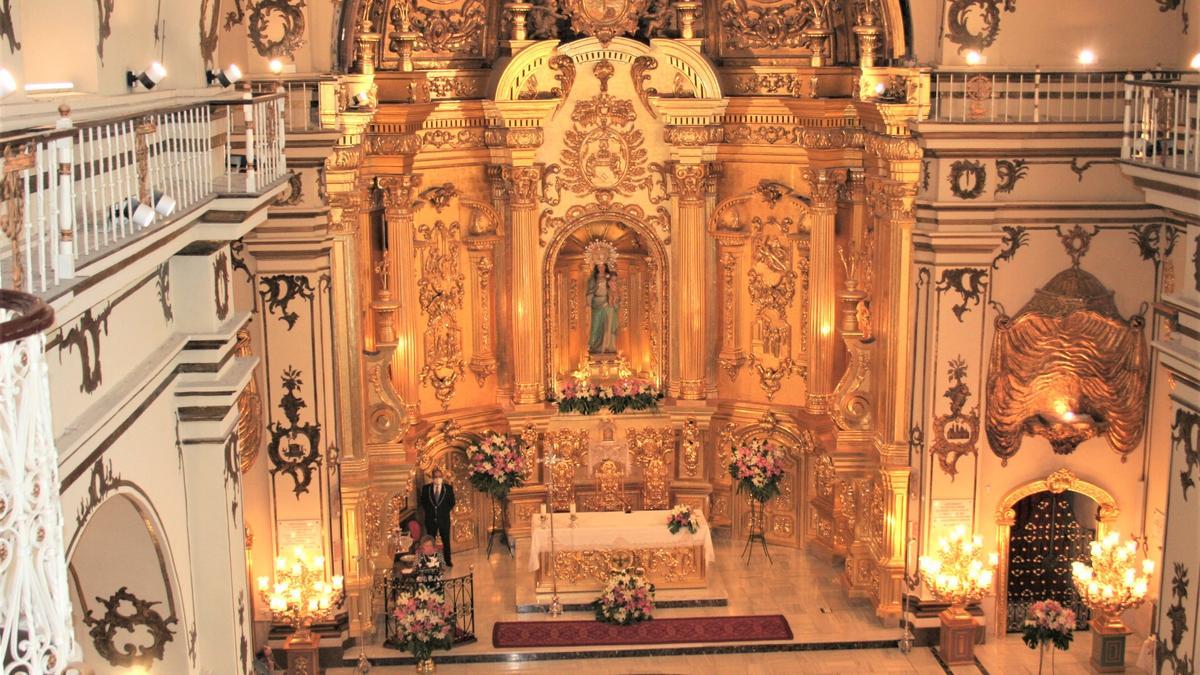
<point x="615" y="530"/>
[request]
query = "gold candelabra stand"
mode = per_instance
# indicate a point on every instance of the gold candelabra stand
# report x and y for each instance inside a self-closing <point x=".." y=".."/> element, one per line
<point x="1112" y="584"/>
<point x="957" y="574"/>
<point x="300" y="595"/>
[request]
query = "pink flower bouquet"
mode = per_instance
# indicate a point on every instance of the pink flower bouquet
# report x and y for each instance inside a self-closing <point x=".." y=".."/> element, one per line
<point x="423" y="619"/>
<point x="496" y="464"/>
<point x="627" y="599"/>
<point x="756" y="467"/>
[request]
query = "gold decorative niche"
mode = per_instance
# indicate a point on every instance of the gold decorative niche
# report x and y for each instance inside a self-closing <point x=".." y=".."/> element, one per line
<point x="1068" y="367"/>
<point x="640" y="295"/>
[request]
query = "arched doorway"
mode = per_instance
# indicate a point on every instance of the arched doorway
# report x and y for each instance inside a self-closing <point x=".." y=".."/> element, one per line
<point x="1050" y="532"/>
<point x="1042" y="527"/>
<point x="466" y="520"/>
<point x="637" y="261"/>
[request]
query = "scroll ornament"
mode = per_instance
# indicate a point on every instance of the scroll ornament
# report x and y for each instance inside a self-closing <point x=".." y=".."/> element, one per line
<point x="1068" y="367"/>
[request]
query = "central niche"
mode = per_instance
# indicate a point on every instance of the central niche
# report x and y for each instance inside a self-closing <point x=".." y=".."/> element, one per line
<point x="605" y="300"/>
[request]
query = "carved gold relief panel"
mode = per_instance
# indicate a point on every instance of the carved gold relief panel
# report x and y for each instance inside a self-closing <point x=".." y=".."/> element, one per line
<point x="433" y="33"/>
<point x="652" y="449"/>
<point x="441" y="297"/>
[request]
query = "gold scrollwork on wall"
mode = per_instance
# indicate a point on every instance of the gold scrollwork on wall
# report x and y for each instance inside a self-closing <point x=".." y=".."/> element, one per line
<point x="440" y="291"/>
<point x="772" y="287"/>
<point x="652" y="448"/>
<point x="570" y="447"/>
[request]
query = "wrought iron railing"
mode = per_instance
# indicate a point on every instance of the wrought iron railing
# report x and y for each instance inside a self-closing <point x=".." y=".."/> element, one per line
<point x="1037" y="96"/>
<point x="35" y="608"/>
<point x="71" y="194"/>
<point x="1162" y="125"/>
<point x="459" y="592"/>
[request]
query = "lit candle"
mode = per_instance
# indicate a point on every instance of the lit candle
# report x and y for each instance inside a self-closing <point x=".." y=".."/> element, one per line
<point x="262" y="583"/>
<point x="338" y="581"/>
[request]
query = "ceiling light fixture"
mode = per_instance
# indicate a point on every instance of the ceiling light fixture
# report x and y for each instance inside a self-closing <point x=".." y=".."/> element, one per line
<point x="147" y="78"/>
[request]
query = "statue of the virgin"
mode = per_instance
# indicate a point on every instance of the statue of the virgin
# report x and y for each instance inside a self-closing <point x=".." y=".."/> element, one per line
<point x="601" y="296"/>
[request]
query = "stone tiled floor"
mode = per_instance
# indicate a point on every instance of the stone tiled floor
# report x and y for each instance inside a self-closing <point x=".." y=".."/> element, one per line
<point x="803" y="588"/>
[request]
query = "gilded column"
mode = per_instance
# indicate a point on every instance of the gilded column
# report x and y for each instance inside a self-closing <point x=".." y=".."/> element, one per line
<point x="500" y="273"/>
<point x="689" y="243"/>
<point x="729" y="263"/>
<point x="824" y="186"/>
<point x="480" y="251"/>
<point x="528" y="341"/>
<point x="399" y="193"/>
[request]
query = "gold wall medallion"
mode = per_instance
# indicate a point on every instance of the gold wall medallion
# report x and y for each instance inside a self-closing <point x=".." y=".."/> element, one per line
<point x="604" y="19"/>
<point x="603" y="151"/>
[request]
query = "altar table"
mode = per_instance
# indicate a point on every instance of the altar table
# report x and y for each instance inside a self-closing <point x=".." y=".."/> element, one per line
<point x="587" y="550"/>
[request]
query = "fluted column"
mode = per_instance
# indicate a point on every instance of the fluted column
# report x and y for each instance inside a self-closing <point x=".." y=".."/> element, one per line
<point x="399" y="193"/>
<point x="729" y="257"/>
<point x="528" y="342"/>
<point x="689" y="279"/>
<point x="824" y="186"/>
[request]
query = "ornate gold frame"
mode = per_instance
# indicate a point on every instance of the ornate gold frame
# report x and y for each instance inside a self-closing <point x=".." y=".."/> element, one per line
<point x="1060" y="481"/>
<point x="550" y="298"/>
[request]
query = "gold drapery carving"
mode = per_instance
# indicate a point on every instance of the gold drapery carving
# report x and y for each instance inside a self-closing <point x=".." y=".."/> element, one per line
<point x="1068" y="367"/>
<point x="570" y="446"/>
<point x="652" y="449"/>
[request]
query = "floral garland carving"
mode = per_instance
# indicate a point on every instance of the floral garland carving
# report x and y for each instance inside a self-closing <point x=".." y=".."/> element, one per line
<point x="754" y="26"/>
<point x="441" y="297"/>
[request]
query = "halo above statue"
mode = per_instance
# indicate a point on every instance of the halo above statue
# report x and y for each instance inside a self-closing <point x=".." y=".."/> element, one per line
<point x="599" y="252"/>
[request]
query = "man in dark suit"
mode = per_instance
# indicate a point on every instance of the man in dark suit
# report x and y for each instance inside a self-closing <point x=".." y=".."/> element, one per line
<point x="437" y="501"/>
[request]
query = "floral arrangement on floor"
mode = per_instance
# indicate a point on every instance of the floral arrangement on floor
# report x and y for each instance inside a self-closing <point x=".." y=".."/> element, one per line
<point x="627" y="393"/>
<point x="627" y="598"/>
<point x="681" y="519"/>
<point x="757" y="467"/>
<point x="496" y="464"/>
<point x="423" y="621"/>
<point x="1048" y="623"/>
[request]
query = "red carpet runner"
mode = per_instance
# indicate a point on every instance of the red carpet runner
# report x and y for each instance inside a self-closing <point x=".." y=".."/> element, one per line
<point x="656" y="631"/>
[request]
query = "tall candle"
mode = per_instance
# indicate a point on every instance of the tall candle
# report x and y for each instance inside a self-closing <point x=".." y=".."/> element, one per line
<point x="572" y="508"/>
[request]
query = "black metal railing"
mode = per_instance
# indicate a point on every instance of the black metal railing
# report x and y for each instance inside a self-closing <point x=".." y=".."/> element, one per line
<point x="459" y="592"/>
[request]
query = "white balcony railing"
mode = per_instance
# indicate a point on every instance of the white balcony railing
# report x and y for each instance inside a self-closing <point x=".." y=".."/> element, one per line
<point x="1037" y="96"/>
<point x="1162" y="125"/>
<point x="71" y="194"/>
<point x="303" y="96"/>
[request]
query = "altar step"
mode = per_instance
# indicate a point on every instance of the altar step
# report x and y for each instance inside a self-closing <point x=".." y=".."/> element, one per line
<point x="536" y="608"/>
<point x="350" y="658"/>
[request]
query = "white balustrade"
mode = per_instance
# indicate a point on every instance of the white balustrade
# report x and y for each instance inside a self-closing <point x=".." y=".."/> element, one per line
<point x="1037" y="96"/>
<point x="36" y="635"/>
<point x="1162" y="125"/>
<point x="70" y="195"/>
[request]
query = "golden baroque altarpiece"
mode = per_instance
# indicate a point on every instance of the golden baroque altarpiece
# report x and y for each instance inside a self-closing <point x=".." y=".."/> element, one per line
<point x="516" y="158"/>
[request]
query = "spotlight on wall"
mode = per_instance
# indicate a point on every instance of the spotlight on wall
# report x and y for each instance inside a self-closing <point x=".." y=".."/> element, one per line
<point x="1087" y="57"/>
<point x="147" y="78"/>
<point x="228" y="77"/>
<point x="164" y="205"/>
<point x="974" y="58"/>
<point x="276" y="66"/>
<point x="143" y="216"/>
<point x="360" y="100"/>
<point x="8" y="83"/>
<point x="1195" y="64"/>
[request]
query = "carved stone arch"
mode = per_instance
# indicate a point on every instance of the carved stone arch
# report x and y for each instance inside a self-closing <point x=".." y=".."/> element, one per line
<point x="163" y="619"/>
<point x="1062" y="480"/>
<point x="527" y="62"/>
<point x="661" y="260"/>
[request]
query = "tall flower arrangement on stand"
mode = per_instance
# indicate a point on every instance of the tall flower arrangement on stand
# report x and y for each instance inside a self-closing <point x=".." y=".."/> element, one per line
<point x="757" y="466"/>
<point x="424" y="619"/>
<point x="627" y="598"/>
<point x="496" y="464"/>
<point x="1048" y="623"/>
